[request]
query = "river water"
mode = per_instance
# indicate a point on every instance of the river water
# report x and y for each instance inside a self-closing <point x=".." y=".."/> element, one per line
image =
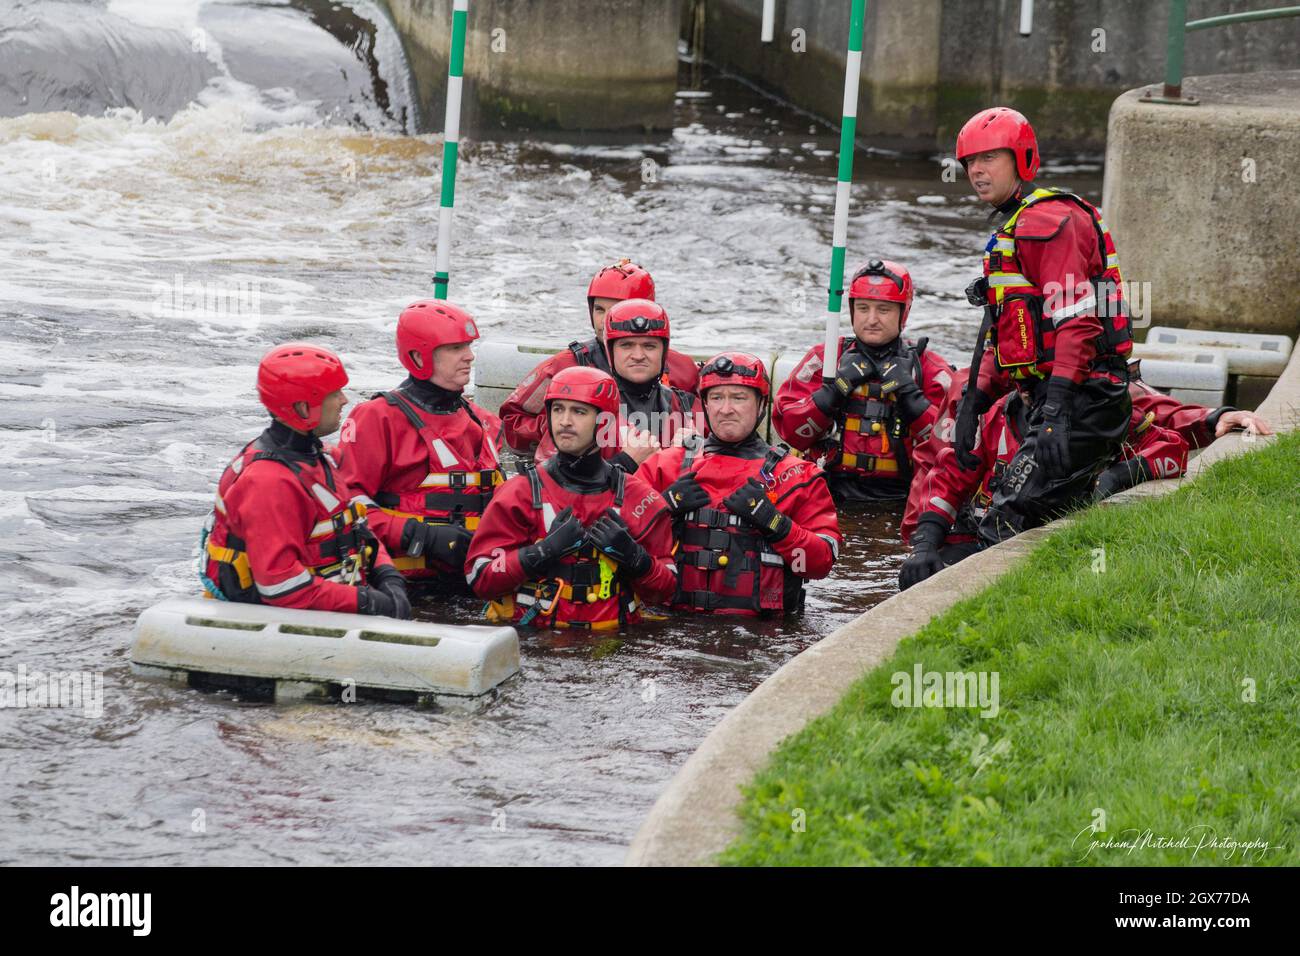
<point x="186" y="184"/>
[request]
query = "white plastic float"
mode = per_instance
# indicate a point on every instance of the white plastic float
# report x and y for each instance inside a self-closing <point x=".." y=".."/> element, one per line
<point x="1189" y="374"/>
<point x="320" y="654"/>
<point x="1246" y="353"/>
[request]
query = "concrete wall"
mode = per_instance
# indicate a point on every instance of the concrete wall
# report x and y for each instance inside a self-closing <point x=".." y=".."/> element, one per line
<point x="931" y="64"/>
<point x="1204" y="202"/>
<point x="566" y="64"/>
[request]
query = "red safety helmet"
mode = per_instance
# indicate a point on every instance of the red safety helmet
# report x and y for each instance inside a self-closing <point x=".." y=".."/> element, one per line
<point x="886" y="281"/>
<point x="623" y="280"/>
<point x="1001" y="128"/>
<point x="584" y="383"/>
<point x="425" y="325"/>
<point x="735" y="368"/>
<point x="636" y="317"/>
<point x="298" y="372"/>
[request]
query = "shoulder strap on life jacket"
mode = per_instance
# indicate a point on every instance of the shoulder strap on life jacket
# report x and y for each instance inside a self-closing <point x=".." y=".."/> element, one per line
<point x="618" y="482"/>
<point x="581" y="353"/>
<point x="398" y="402"/>
<point x="534" y="482"/>
<point x="693" y="445"/>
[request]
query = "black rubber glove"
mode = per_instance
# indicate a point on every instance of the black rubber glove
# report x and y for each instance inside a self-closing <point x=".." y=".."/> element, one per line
<point x="827" y="399"/>
<point x="855" y="368"/>
<point x="750" y="502"/>
<point x="446" y="542"/>
<point x="1053" y="451"/>
<point x="973" y="404"/>
<point x="685" y="495"/>
<point x="924" y="560"/>
<point x="388" y="580"/>
<point x="565" y="537"/>
<point x="610" y="534"/>
<point x="1121" y="476"/>
<point x="896" y="379"/>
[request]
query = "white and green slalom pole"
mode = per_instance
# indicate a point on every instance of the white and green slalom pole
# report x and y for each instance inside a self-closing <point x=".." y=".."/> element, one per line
<point x="848" y="131"/>
<point x="450" y="143"/>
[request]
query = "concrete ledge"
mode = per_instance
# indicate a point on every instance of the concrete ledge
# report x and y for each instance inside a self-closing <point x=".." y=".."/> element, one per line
<point x="695" y="819"/>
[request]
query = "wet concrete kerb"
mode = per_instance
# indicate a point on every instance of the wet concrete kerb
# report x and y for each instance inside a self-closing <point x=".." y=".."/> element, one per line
<point x="695" y="818"/>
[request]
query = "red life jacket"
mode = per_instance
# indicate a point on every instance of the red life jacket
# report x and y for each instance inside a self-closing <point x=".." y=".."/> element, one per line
<point x="1023" y="335"/>
<point x="874" y="441"/>
<point x="724" y="565"/>
<point x="457" y="487"/>
<point x="586" y="590"/>
<point x="340" y="546"/>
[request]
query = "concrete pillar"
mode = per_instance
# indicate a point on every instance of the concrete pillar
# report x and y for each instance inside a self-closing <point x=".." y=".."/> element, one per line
<point x="901" y="78"/>
<point x="547" y="64"/>
<point x="1204" y="202"/>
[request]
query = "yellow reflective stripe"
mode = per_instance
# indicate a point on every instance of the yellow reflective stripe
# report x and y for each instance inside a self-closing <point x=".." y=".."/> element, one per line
<point x="471" y="521"/>
<point x="323" y="528"/>
<point x="1112" y="261"/>
<point x="1006" y="244"/>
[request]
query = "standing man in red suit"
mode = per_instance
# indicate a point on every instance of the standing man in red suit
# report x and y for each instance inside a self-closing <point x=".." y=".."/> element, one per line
<point x="286" y="529"/>
<point x="1055" y="329"/>
<point x="423" y="456"/>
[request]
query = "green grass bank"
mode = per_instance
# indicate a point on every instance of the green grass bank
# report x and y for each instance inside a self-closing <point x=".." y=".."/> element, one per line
<point x="1147" y="698"/>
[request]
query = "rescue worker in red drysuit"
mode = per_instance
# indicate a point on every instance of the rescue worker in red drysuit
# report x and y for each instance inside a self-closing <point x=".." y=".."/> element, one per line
<point x="1055" y="328"/>
<point x="286" y="529"/>
<point x="882" y="402"/>
<point x="1198" y="424"/>
<point x="574" y="542"/>
<point x="955" y="500"/>
<point x="652" y="415"/>
<point x="752" y="521"/>
<point x="423" y="456"/>
<point x="523" y="412"/>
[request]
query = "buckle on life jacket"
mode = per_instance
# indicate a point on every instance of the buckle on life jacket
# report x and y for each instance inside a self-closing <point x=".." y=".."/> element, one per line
<point x="868" y="462"/>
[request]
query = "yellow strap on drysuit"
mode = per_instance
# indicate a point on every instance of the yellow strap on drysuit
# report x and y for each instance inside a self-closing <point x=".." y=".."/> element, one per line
<point x="236" y="559"/>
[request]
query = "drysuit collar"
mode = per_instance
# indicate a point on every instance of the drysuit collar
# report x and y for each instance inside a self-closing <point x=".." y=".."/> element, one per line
<point x="747" y="448"/>
<point x="877" y="352"/>
<point x="582" y="474"/>
<point x="294" y="442"/>
<point x="430" y="397"/>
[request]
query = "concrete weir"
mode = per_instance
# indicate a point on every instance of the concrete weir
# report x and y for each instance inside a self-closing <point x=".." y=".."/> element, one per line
<point x="600" y="65"/>
<point x="695" y="818"/>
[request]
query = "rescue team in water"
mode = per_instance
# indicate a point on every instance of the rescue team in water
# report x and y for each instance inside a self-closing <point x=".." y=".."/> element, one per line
<point x="650" y="485"/>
